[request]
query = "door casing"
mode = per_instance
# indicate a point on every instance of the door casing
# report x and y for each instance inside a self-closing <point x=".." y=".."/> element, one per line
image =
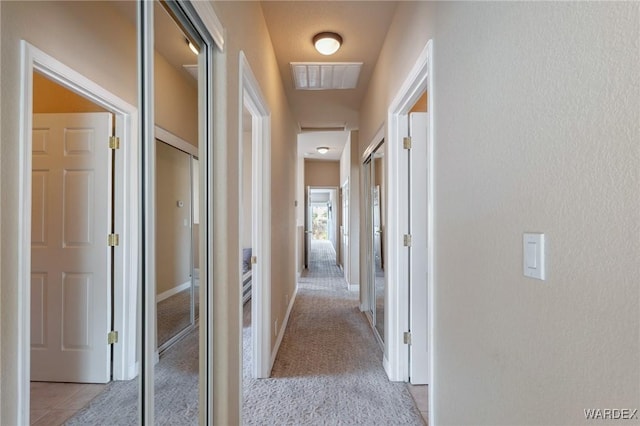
<point x="251" y="98"/>
<point x="419" y="80"/>
<point x="126" y="210"/>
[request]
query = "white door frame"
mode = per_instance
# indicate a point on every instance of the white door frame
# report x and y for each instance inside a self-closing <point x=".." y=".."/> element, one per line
<point x="366" y="270"/>
<point x="419" y="80"/>
<point x="335" y="191"/>
<point x="186" y="148"/>
<point x="126" y="211"/>
<point x="250" y="97"/>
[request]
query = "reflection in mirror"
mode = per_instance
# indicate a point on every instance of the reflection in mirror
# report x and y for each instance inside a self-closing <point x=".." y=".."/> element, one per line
<point x="174" y="286"/>
<point x="98" y="380"/>
<point x="378" y="217"/>
<point x="375" y="224"/>
<point x="176" y="119"/>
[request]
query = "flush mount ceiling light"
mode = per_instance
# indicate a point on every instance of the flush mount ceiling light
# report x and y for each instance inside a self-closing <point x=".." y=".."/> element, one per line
<point x="327" y="43"/>
<point x="322" y="149"/>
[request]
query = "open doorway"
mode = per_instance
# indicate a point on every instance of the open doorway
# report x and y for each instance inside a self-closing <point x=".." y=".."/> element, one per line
<point x="411" y="232"/>
<point x="80" y="287"/>
<point x="71" y="269"/>
<point x="255" y="230"/>
<point x="323" y="210"/>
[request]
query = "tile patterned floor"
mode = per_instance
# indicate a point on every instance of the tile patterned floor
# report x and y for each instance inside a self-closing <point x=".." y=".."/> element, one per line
<point x="53" y="403"/>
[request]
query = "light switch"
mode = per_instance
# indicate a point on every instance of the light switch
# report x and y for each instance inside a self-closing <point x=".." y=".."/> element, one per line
<point x="533" y="256"/>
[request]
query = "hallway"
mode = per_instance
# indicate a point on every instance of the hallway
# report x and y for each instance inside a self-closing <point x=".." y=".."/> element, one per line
<point x="329" y="366"/>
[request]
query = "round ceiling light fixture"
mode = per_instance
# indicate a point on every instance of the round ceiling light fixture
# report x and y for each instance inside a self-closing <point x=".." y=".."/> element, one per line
<point x="327" y="43"/>
<point x="192" y="47"/>
<point x="322" y="149"/>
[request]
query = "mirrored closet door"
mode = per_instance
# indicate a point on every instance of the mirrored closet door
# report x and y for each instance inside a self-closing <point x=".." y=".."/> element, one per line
<point x="176" y="281"/>
<point x="375" y="224"/>
<point x="178" y="50"/>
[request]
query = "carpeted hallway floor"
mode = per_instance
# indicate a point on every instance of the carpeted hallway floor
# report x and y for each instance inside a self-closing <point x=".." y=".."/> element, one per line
<point x="329" y="367"/>
<point x="328" y="370"/>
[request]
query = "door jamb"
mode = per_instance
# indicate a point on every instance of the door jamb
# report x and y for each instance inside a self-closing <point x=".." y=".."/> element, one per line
<point x="125" y="266"/>
<point x="251" y="97"/>
<point x="419" y="79"/>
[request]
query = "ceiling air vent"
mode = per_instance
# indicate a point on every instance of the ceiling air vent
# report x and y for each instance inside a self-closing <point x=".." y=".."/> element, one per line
<point x="325" y="75"/>
<point x="322" y="129"/>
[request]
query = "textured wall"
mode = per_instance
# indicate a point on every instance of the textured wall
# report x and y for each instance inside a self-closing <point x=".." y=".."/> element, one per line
<point x="411" y="28"/>
<point x="321" y="173"/>
<point x="81" y="35"/>
<point x="537" y="119"/>
<point x="537" y="129"/>
<point x="246" y="30"/>
<point x="50" y="97"/>
<point x="61" y="31"/>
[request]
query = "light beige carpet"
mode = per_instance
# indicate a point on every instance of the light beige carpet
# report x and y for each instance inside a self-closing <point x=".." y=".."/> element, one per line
<point x="328" y="371"/>
<point x="329" y="367"/>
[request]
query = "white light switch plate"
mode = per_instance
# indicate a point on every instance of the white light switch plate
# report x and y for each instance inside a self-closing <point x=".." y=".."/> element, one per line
<point x="533" y="262"/>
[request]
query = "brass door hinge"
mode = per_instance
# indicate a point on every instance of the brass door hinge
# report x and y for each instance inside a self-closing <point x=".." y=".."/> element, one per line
<point x="114" y="142"/>
<point x="254" y="260"/>
<point x="406" y="142"/>
<point x="112" y="337"/>
<point x="113" y="240"/>
<point x="407" y="337"/>
<point x="407" y="240"/>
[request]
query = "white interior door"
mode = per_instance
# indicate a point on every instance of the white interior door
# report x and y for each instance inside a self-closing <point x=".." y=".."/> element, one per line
<point x="418" y="255"/>
<point x="70" y="222"/>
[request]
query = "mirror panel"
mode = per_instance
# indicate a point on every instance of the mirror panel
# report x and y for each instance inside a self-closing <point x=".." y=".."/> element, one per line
<point x="174" y="286"/>
<point x="379" y="222"/>
<point x="176" y="117"/>
<point x="88" y="197"/>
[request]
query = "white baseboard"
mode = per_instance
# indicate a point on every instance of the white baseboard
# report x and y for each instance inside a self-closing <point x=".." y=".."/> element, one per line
<point x="175" y="290"/>
<point x="132" y="372"/>
<point x="386" y="365"/>
<point x="282" y="328"/>
<point x="354" y="287"/>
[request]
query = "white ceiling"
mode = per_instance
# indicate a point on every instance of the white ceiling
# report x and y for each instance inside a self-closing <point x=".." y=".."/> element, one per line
<point x="308" y="142"/>
<point x="363" y="26"/>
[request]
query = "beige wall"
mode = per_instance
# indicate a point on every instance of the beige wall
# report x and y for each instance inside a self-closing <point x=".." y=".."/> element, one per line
<point x="411" y="28"/>
<point x="246" y="30"/>
<point x="536" y="118"/>
<point x="354" y="209"/>
<point x="176" y="101"/>
<point x="50" y="97"/>
<point x="105" y="56"/>
<point x="545" y="138"/>
<point x="321" y="173"/>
